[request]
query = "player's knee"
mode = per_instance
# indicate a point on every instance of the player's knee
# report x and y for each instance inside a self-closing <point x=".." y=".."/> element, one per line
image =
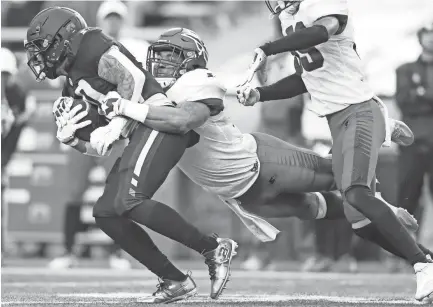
<point x="358" y="196"/>
<point x="125" y="202"/>
<point x="362" y="199"/>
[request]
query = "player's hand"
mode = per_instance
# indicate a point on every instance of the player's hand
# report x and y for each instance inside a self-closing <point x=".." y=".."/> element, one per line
<point x="247" y="95"/>
<point x="112" y="104"/>
<point x="103" y="138"/>
<point x="68" y="123"/>
<point x="258" y="62"/>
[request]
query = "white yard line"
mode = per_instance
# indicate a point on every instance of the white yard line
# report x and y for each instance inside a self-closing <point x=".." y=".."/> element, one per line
<point x="112" y="298"/>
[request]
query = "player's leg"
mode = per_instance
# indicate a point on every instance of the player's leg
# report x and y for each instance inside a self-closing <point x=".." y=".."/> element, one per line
<point x="287" y="169"/>
<point x="145" y="165"/>
<point x="358" y="133"/>
<point x="133" y="239"/>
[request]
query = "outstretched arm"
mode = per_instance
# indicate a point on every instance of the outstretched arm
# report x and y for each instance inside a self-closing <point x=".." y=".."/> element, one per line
<point x="285" y="88"/>
<point x="305" y="38"/>
<point x="181" y="119"/>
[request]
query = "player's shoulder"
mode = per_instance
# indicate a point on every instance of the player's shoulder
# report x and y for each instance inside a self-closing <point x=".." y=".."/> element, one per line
<point x="88" y="45"/>
<point x="203" y="86"/>
<point x="200" y="76"/>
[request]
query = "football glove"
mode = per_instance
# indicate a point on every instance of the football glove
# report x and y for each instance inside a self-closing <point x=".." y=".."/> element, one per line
<point x="67" y="119"/>
<point x="258" y="62"/>
<point x="247" y="95"/>
<point x="112" y="105"/>
<point x="103" y="138"/>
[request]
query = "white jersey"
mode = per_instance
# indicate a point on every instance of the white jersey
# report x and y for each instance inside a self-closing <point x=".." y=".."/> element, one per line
<point x="224" y="161"/>
<point x="332" y="71"/>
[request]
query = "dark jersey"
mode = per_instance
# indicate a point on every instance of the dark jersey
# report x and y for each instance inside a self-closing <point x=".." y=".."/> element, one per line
<point x="83" y="80"/>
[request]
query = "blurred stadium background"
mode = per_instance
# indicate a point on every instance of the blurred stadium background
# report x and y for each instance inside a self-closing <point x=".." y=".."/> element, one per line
<point x="386" y="38"/>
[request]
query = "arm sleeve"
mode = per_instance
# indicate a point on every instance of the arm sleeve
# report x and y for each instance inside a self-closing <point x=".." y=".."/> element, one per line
<point x="297" y="40"/>
<point x="287" y="87"/>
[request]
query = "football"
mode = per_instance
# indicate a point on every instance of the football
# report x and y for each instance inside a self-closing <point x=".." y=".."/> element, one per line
<point x="93" y="115"/>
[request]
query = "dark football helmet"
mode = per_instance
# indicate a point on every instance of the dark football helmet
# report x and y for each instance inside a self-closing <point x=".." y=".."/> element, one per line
<point x="48" y="39"/>
<point x="176" y="52"/>
<point x="276" y="7"/>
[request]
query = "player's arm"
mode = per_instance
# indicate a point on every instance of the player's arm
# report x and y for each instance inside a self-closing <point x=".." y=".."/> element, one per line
<point x="117" y="69"/>
<point x="181" y="119"/>
<point x="285" y="88"/>
<point x="185" y="117"/>
<point x="305" y="38"/>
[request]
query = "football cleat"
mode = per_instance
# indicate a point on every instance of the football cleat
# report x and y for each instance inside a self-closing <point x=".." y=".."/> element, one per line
<point x="169" y="291"/>
<point x="401" y="134"/>
<point x="219" y="261"/>
<point x="424" y="281"/>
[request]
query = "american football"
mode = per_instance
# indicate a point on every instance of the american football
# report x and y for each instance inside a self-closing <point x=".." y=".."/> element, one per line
<point x="93" y="115"/>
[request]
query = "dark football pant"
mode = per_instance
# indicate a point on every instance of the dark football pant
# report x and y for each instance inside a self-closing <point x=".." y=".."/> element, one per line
<point x="286" y="173"/>
<point x="140" y="171"/>
<point x="358" y="133"/>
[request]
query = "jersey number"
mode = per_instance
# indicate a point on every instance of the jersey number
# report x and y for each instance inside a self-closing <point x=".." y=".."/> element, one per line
<point x="308" y="59"/>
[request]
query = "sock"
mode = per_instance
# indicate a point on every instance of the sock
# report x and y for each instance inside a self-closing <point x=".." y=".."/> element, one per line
<point x="136" y="242"/>
<point x="334" y="206"/>
<point x="166" y="221"/>
<point x="372" y="234"/>
<point x="361" y="198"/>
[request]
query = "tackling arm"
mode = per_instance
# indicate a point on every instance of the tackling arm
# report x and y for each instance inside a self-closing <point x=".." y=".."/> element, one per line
<point x="305" y="38"/>
<point x="181" y="119"/>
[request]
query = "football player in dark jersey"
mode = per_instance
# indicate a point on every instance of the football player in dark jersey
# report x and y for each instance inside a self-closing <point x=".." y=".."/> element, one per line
<point x="59" y="43"/>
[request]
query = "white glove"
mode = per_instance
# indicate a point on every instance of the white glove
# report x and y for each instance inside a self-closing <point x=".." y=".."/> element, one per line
<point x="258" y="62"/>
<point x="112" y="105"/>
<point x="247" y="95"/>
<point x="102" y="138"/>
<point x="67" y="120"/>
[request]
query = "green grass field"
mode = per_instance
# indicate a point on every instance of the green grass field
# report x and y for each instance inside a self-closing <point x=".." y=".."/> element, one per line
<point x="31" y="286"/>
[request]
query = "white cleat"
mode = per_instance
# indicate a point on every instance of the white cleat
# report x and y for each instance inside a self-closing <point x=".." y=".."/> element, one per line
<point x="401" y="134"/>
<point x="64" y="262"/>
<point x="119" y="263"/>
<point x="424" y="281"/>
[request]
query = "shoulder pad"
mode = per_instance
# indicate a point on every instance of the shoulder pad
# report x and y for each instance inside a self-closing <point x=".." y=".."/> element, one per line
<point x="78" y="38"/>
<point x="201" y="84"/>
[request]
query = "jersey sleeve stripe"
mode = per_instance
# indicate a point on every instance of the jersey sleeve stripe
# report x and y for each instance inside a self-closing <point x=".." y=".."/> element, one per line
<point x="137" y="74"/>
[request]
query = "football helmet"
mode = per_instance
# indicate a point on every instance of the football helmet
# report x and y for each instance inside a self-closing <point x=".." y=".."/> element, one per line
<point x="276" y="7"/>
<point x="177" y="51"/>
<point x="48" y="39"/>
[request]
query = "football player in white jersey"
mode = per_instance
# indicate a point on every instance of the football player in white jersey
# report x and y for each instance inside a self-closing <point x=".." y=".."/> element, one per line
<point x="320" y="34"/>
<point x="263" y="174"/>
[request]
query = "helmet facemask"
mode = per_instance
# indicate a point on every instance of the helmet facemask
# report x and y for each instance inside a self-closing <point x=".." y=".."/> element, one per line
<point x="167" y="62"/>
<point x="44" y="57"/>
